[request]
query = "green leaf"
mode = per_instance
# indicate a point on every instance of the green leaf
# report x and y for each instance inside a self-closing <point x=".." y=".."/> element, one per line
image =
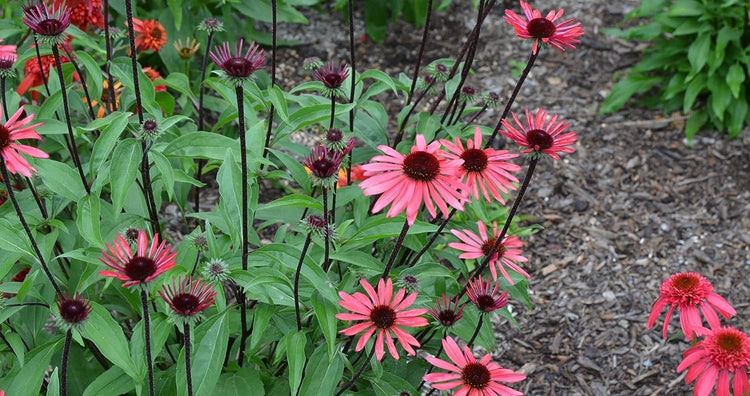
<point x="721" y="96"/>
<point x="94" y="76"/>
<point x="693" y="90"/>
<point x="53" y="387"/>
<point x="735" y="77"/>
<point x="166" y="170"/>
<point x="107" y="335"/>
<point x="737" y="114"/>
<point x="323" y="374"/>
<point x="28" y="380"/>
<point x="291" y="201"/>
<point x="230" y="190"/>
<point x="325" y="313"/>
<point x="179" y="82"/>
<point x="61" y="179"/>
<point x="244" y="382"/>
<point x="379" y="76"/>
<point x="205" y="145"/>
<point x="694" y="123"/>
<point x="125" y="162"/>
<point x="13" y="239"/>
<point x="111" y="382"/>
<point x="686" y="8"/>
<point x="295" y="356"/>
<point x="211" y="346"/>
<point x="376" y="19"/>
<point x="175" y="7"/>
<point x="111" y="130"/>
<point x="279" y="102"/>
<point x="623" y="90"/>
<point x="698" y="52"/>
<point x="88" y="220"/>
<point x="295" y="168"/>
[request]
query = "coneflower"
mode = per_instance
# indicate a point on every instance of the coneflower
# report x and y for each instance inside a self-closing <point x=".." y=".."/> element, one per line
<point x="72" y="313"/>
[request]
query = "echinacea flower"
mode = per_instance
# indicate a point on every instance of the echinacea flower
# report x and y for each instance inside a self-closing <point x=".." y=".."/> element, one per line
<point x="211" y="25"/>
<point x="473" y="377"/>
<point x="153" y="75"/>
<point x="316" y="225"/>
<point x="149" y="129"/>
<point x="84" y="13"/>
<point x="467" y="94"/>
<point x="541" y="135"/>
<point x="475" y="246"/>
<point x="49" y="24"/>
<point x="725" y="351"/>
<point x="448" y="311"/>
<point x="405" y="181"/>
<point x="73" y="311"/>
<point x="547" y="29"/>
<point x="689" y="292"/>
<point x="324" y="165"/>
<point x="439" y="72"/>
<point x="6" y="65"/>
<point x="384" y="313"/>
<point x="332" y="78"/>
<point x="216" y="270"/>
<point x="7" y="50"/>
<point x="14" y="130"/>
<point x="312" y="63"/>
<point x="186" y="49"/>
<point x="483" y="169"/>
<point x="187" y="297"/>
<point x="144" y="266"/>
<point x="150" y="35"/>
<point x="491" y="99"/>
<point x="484" y="296"/>
<point x="239" y="66"/>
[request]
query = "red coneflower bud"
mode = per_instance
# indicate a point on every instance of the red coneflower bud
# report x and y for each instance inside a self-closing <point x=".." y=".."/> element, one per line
<point x="484" y="296"/>
<point x="324" y="165"/>
<point x="447" y="310"/>
<point x="312" y="63"/>
<point x="73" y="311"/>
<point x="211" y="25"/>
<point x="332" y="77"/>
<point x="238" y="66"/>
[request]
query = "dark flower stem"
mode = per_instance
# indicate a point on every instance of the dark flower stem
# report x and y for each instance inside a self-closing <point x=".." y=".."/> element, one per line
<point x="82" y="76"/>
<point x="358" y="374"/>
<point x="28" y="304"/>
<point x="63" y="91"/>
<point x="396" y="249"/>
<point x="333" y="110"/>
<point x="476" y="330"/>
<point x="201" y="115"/>
<point x="400" y="134"/>
<point x="511" y="214"/>
<point x="421" y="52"/>
<point x="429" y="370"/>
<point x="479" y="113"/>
<point x="12" y="196"/>
<point x="111" y="105"/>
<point x="512" y="98"/>
<point x="243" y="160"/>
<point x="432" y="239"/>
<point x="147" y="331"/>
<point x="326" y="261"/>
<point x="353" y="85"/>
<point x="188" y="372"/>
<point x="273" y="80"/>
<point x="64" y="364"/>
<point x="5" y="104"/>
<point x="296" y="281"/>
<point x="195" y="264"/>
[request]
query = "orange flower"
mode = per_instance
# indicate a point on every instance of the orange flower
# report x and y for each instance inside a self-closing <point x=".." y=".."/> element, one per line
<point x="32" y="74"/>
<point x="101" y="105"/>
<point x="84" y="12"/>
<point x="152" y="75"/>
<point x="150" y="35"/>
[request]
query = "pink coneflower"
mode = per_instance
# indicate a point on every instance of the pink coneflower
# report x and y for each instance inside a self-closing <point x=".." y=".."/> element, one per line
<point x="484" y="296"/>
<point x="188" y="297"/>
<point x="540" y="135"/>
<point x="558" y="35"/>
<point x="73" y="311"/>
<point x="13" y="130"/>
<point x="145" y="265"/>
<point x="405" y="181"/>
<point x="376" y="311"/>
<point x="483" y="169"/>
<point x="324" y="165"/>
<point x="472" y="377"/>
<point x="688" y="292"/>
<point x="240" y="66"/>
<point x="332" y="77"/>
<point x="7" y="50"/>
<point x="50" y="23"/>
<point x="447" y="310"/>
<point x="724" y="351"/>
<point x="507" y="254"/>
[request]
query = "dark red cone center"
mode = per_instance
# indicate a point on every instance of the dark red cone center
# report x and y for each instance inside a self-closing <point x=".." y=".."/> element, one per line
<point x="6" y="63"/>
<point x="333" y="80"/>
<point x="383" y="316"/>
<point x="51" y="27"/>
<point x="185" y="303"/>
<point x="485" y="302"/>
<point x="487" y="246"/>
<point x="139" y="268"/>
<point x="686" y="282"/>
<point x="541" y="28"/>
<point x="316" y="221"/>
<point x="447" y="317"/>
<point x="539" y="139"/>
<point x="323" y="168"/>
<point x="156" y="33"/>
<point x="476" y="375"/>
<point x="729" y="342"/>
<point x="238" y="67"/>
<point x="4" y="136"/>
<point x="421" y="166"/>
<point x="475" y="160"/>
<point x="334" y="135"/>
<point x="73" y="310"/>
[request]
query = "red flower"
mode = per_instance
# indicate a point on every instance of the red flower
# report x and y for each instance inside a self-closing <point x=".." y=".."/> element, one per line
<point x="689" y="292"/>
<point x="241" y="64"/>
<point x="447" y="312"/>
<point x="475" y="378"/>
<point x="484" y="296"/>
<point x="145" y="265"/>
<point x="405" y="181"/>
<point x="541" y="136"/>
<point x="332" y="77"/>
<point x="724" y="351"/>
<point x="534" y="26"/>
<point x="48" y="23"/>
<point x="73" y="311"/>
<point x="188" y="297"/>
<point x="13" y="130"/>
<point x="84" y="13"/>
<point x="385" y="313"/>
<point x="508" y="253"/>
<point x="7" y="51"/>
<point x="152" y="75"/>
<point x="34" y="77"/>
<point x="150" y="35"/>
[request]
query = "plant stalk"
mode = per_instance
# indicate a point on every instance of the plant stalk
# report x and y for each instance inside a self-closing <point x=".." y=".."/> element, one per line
<point x="432" y="239"/>
<point x="147" y="331"/>
<point x="357" y="375"/>
<point x="421" y="52"/>
<point x="296" y="281"/>
<point x="82" y="76"/>
<point x="201" y="92"/>
<point x="111" y="102"/>
<point x="476" y="330"/>
<point x="326" y="261"/>
<point x="353" y="85"/>
<point x="188" y="372"/>
<point x="243" y="160"/>
<point x="512" y="98"/>
<point x="396" y="249"/>
<point x="273" y="80"/>
<point x="64" y="364"/>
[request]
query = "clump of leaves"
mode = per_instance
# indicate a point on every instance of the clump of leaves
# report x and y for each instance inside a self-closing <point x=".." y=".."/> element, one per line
<point x="698" y="61"/>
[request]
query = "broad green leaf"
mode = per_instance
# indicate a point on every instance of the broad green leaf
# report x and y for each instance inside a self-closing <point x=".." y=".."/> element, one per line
<point x="686" y="8"/>
<point x="279" y="102"/>
<point x="111" y="130"/>
<point x="693" y="90"/>
<point x="623" y="90"/>
<point x="125" y="162"/>
<point x="325" y="314"/>
<point x="379" y="76"/>
<point x="107" y="335"/>
<point x="166" y="170"/>
<point x="179" y="82"/>
<point x="111" y="382"/>
<point x="175" y="7"/>
<point x="88" y="220"/>
<point x="323" y="374"/>
<point x="698" y="52"/>
<point x="208" y="357"/>
<point x="295" y="168"/>
<point x="230" y="182"/>
<point x="735" y="78"/>
<point x="94" y="77"/>
<point x="13" y="239"/>
<point x="244" y="382"/>
<point x="61" y="179"/>
<point x="28" y="380"/>
<point x="205" y="145"/>
<point x="694" y="123"/>
<point x="295" y="356"/>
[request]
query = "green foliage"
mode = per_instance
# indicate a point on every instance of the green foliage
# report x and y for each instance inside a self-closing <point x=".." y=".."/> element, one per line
<point x="698" y="62"/>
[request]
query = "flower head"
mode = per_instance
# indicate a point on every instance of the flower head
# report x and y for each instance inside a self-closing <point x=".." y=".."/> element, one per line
<point x="186" y="49"/>
<point x="409" y="282"/>
<point x="324" y="165"/>
<point x="427" y="83"/>
<point x="483" y="169"/>
<point x="332" y="78"/>
<point x="316" y="225"/>
<point x="49" y="24"/>
<point x="405" y="181"/>
<point x="491" y="99"/>
<point x="384" y="313"/>
<point x="150" y="35"/>
<point x="73" y="311"/>
<point x="312" y="63"/>
<point x="439" y="72"/>
<point x="724" y="351"/>
<point x="239" y="66"/>
<point x="468" y="94"/>
<point x="482" y="377"/>
<point x="131" y="234"/>
<point x="216" y="270"/>
<point x="484" y="296"/>
<point x="12" y="131"/>
<point x="211" y="25"/>
<point x="8" y="52"/>
<point x="475" y="246"/>
<point x="447" y="311"/>
<point x="146" y="264"/>
<point x="541" y="135"/>
<point x="199" y="242"/>
<point x="335" y="141"/>
<point x="150" y="129"/>
<point x="689" y="292"/>
<point x="547" y="29"/>
<point x="187" y="297"/>
<point x="6" y="65"/>
<point x="84" y="13"/>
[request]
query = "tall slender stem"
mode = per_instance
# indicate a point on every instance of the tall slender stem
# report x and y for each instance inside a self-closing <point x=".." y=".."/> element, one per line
<point x="326" y="261"/>
<point x="64" y="364"/>
<point x="188" y="372"/>
<point x="111" y="102"/>
<point x="5" y="104"/>
<point x="63" y="91"/>
<point x="147" y="190"/>
<point x="195" y="264"/>
<point x="82" y="76"/>
<point x="353" y="85"/>
<point x="147" y="332"/>
<point x="46" y="87"/>
<point x="396" y="249"/>
<point x="400" y="133"/>
<point x="12" y="196"/>
<point x="201" y="115"/>
<point x="296" y="281"/>
<point x="243" y="160"/>
<point x="512" y="98"/>
<point x="421" y="52"/>
<point x="478" y="113"/>
<point x="434" y="236"/>
<point x="333" y="110"/>
<point x="476" y="330"/>
<point x="273" y="79"/>
<point x="357" y="375"/>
